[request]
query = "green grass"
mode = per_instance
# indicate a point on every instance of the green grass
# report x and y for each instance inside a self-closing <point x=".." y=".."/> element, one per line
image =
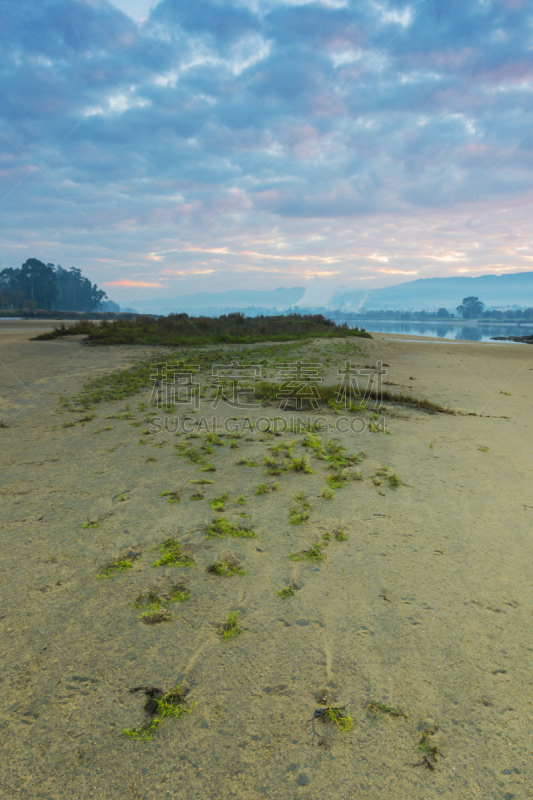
<point x="340" y="478"/>
<point x="213" y="438"/>
<point x="91" y="523"/>
<point x="288" y="591"/>
<point x="283" y="448"/>
<point x="297" y="517"/>
<point x="338" y="716"/>
<point x="172" y="497"/>
<point x="171" y="555"/>
<point x="273" y="467"/>
<point x="300" y="465"/>
<point x="230" y="627"/>
<point x="329" y="394"/>
<point x="219" y="503"/>
<point x="264" y="488"/>
<point x="221" y="527"/>
<point x="313" y="554"/>
<point x="425" y="746"/>
<point x="222" y="568"/>
<point x="155" y="605"/>
<point x="171" y="704"/>
<point x="178" y="329"/>
<point x="116" y="568"/>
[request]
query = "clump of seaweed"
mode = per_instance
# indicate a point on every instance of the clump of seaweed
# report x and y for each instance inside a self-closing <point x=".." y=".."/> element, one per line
<point x="225" y="569"/>
<point x="116" y="568"/>
<point x="222" y="527"/>
<point x="273" y="467"/>
<point x="264" y="488"/>
<point x="336" y="715"/>
<point x="288" y="591"/>
<point x="428" y="748"/>
<point x="299" y="514"/>
<point x="230" y="627"/>
<point x="219" y="503"/>
<point x="313" y="554"/>
<point x="172" y="497"/>
<point x="215" y="439"/>
<point x="178" y="593"/>
<point x="171" y="555"/>
<point x="155" y="604"/>
<point x="158" y="706"/>
<point x="283" y="448"/>
<point x="300" y="465"/>
<point x="341" y="477"/>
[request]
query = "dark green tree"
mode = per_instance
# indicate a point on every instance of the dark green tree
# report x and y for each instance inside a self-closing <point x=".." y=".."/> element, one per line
<point x="471" y="308"/>
<point x="38" y="282"/>
<point x="75" y="292"/>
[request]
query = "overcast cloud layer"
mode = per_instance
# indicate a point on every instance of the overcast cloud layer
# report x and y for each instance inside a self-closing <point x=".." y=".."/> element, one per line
<point x="217" y="145"/>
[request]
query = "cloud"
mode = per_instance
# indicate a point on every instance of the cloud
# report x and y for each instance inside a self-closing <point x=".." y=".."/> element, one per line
<point x="284" y="134"/>
<point x="129" y="283"/>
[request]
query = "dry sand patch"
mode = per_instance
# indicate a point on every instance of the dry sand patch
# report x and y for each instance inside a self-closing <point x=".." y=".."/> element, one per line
<point x="424" y="607"/>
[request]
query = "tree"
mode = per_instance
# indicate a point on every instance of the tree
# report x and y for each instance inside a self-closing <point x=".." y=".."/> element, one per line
<point x="442" y="312"/>
<point x="76" y="293"/>
<point x="38" y="282"/>
<point x="38" y="285"/>
<point x="472" y="308"/>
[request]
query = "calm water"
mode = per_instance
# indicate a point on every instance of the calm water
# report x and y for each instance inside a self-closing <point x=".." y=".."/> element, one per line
<point x="471" y="333"/>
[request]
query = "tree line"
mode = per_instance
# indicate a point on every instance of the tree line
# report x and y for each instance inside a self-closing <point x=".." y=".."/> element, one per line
<point x="37" y="285"/>
<point x="470" y="308"/>
<point x="473" y="308"/>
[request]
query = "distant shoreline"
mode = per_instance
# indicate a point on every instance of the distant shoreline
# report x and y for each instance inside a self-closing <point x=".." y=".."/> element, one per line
<point x="454" y="321"/>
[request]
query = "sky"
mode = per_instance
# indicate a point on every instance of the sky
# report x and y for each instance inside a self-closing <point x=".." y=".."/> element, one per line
<point x="172" y="147"/>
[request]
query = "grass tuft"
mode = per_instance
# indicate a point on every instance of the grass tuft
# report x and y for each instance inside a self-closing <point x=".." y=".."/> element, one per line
<point x="225" y="569"/>
<point x="313" y="554"/>
<point x="159" y="706"/>
<point x="288" y="591"/>
<point x="116" y="568"/>
<point x="221" y="527"/>
<point x="230" y="627"/>
<point x="171" y="555"/>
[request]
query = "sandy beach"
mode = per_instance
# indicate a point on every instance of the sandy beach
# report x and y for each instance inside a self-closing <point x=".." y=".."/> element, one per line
<point x="424" y="607"/>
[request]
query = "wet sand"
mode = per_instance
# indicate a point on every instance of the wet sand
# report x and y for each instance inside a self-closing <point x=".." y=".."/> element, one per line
<point x="426" y="607"/>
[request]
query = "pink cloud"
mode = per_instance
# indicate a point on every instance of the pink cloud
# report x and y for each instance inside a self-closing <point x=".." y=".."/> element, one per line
<point x="128" y="282"/>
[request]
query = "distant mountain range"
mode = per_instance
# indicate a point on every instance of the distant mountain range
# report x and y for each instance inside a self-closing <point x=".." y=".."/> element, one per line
<point x="425" y="293"/>
<point x="233" y="300"/>
<point x="433" y="293"/>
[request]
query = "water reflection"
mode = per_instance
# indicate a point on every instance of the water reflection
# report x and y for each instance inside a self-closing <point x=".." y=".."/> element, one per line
<point x="468" y="333"/>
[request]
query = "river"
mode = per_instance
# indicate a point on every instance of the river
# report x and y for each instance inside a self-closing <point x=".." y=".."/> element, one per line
<point x="443" y="330"/>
